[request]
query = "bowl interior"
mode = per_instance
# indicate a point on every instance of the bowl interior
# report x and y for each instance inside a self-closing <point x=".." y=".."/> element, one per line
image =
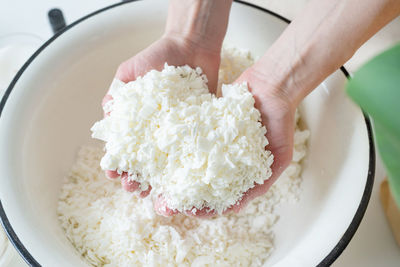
<point x="57" y="99"/>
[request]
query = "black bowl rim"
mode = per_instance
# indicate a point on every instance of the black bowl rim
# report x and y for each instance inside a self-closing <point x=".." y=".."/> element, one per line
<point x="327" y="261"/>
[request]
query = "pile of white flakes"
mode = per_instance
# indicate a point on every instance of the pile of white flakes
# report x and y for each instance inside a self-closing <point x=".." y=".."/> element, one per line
<point x="167" y="131"/>
<point x="111" y="227"/>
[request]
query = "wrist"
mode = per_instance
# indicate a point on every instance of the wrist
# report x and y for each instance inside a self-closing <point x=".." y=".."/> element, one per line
<point x="268" y="88"/>
<point x="295" y="71"/>
<point x="277" y="79"/>
<point x="201" y="23"/>
<point x="191" y="47"/>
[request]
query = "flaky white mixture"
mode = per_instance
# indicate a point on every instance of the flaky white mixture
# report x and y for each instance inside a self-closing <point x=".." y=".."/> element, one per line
<point x="111" y="227"/>
<point x="167" y="131"/>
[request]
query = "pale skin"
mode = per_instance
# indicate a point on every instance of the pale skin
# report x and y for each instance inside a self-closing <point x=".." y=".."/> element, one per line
<point x="320" y="40"/>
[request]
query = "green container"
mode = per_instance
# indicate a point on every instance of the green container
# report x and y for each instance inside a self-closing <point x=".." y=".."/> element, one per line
<point x="376" y="88"/>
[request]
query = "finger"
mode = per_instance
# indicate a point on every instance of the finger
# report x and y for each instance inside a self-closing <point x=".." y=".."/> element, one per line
<point x="160" y="206"/>
<point x="213" y="82"/>
<point x="106" y="98"/>
<point x="128" y="184"/>
<point x="210" y="66"/>
<point x="112" y="174"/>
<point x="144" y="194"/>
<point x="252" y="193"/>
<point x="136" y="66"/>
<point x="125" y="71"/>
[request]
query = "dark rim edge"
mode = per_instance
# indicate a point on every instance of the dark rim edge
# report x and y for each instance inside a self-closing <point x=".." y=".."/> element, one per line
<point x="362" y="207"/>
<point x="12" y="236"/>
<point x="327" y="261"/>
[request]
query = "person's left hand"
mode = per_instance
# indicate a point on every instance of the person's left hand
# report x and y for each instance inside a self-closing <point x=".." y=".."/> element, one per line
<point x="174" y="51"/>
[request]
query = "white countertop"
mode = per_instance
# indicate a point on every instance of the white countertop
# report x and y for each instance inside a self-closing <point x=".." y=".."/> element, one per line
<point x="372" y="245"/>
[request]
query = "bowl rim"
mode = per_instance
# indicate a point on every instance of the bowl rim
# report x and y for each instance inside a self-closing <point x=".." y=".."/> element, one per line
<point x="327" y="261"/>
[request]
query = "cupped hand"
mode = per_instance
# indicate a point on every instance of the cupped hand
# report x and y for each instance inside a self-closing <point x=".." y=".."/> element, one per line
<point x="278" y="116"/>
<point x="174" y="51"/>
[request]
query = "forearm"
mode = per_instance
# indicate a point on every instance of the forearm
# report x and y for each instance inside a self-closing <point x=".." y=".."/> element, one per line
<point x="320" y="40"/>
<point x="203" y="22"/>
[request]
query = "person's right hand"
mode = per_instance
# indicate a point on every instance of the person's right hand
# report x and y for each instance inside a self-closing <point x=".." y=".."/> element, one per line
<point x="176" y="51"/>
<point x="278" y="116"/>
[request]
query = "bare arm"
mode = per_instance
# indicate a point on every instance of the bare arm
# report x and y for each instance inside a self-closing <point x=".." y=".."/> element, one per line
<point x="203" y="22"/>
<point x="321" y="39"/>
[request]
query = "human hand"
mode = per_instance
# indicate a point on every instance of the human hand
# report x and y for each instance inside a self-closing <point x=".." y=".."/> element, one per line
<point x="193" y="36"/>
<point x="278" y="116"/>
<point x="175" y="51"/>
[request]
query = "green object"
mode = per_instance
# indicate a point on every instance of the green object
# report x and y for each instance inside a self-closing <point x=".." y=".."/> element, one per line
<point x="376" y="88"/>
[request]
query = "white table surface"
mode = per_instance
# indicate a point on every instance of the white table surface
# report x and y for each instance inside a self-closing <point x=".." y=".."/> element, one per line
<point x="373" y="244"/>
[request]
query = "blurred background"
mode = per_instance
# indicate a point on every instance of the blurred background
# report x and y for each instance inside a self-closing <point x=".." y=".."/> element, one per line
<point x="24" y="26"/>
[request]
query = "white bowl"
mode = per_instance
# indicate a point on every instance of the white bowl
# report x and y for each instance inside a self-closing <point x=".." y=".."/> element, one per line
<point x="55" y="98"/>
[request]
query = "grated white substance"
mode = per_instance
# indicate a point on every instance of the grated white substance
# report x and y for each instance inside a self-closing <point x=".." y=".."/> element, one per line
<point x="111" y="227"/>
<point x="233" y="62"/>
<point x="166" y="130"/>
